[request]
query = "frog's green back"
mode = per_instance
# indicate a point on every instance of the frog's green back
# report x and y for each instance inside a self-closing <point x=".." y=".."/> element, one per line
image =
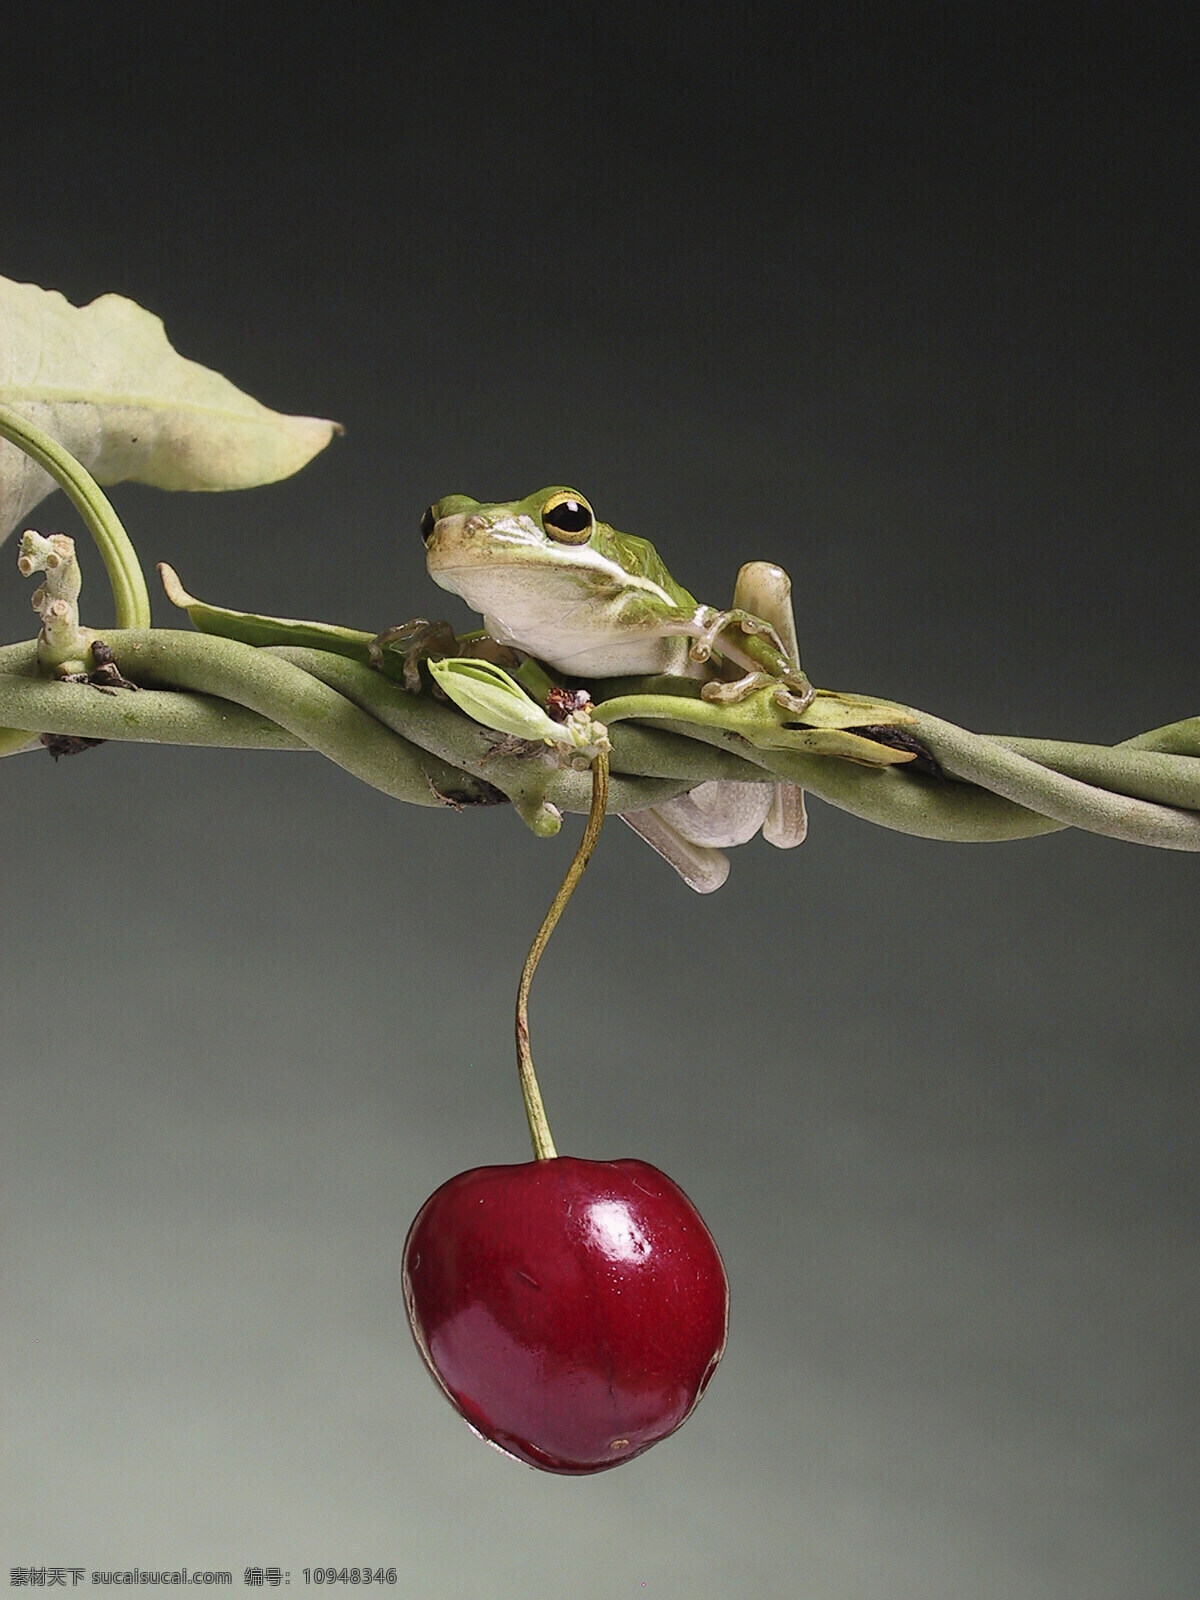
<point x="640" y="559"/>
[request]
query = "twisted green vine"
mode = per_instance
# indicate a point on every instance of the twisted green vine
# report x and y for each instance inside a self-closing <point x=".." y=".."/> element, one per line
<point x="260" y="683"/>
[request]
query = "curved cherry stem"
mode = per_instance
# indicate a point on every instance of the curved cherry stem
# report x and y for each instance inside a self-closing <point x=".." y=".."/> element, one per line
<point x="535" y="1111"/>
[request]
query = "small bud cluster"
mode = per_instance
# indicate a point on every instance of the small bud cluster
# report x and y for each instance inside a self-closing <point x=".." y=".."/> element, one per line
<point x="488" y="694"/>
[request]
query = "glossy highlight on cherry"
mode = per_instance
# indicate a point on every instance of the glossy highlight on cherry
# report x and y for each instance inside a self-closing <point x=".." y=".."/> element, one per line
<point x="572" y="1311"/>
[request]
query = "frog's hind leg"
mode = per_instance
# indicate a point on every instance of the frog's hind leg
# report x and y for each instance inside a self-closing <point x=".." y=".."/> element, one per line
<point x="766" y="590"/>
<point x="691" y="830"/>
<point x="701" y="867"/>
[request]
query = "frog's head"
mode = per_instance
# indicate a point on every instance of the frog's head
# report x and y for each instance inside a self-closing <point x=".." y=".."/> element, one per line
<point x="459" y="530"/>
<point x="472" y="547"/>
<point x="550" y="579"/>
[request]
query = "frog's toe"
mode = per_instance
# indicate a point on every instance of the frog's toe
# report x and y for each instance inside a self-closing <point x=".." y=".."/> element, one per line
<point x="795" y="699"/>
<point x="399" y="638"/>
<point x="722" y="693"/>
<point x="786" y="822"/>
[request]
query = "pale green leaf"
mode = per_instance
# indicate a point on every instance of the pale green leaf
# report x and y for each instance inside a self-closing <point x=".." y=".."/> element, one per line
<point x="105" y="382"/>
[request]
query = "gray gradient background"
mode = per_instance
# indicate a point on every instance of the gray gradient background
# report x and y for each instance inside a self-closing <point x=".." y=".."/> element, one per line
<point x="908" y="306"/>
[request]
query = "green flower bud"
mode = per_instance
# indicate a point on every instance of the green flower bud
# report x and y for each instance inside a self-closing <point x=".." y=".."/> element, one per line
<point x="487" y="693"/>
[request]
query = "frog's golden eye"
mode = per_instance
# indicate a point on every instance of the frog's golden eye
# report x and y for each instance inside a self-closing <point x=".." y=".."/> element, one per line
<point x="428" y="521"/>
<point x="567" y="517"/>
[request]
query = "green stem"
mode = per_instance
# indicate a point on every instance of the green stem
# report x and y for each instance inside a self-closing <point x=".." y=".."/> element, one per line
<point x="532" y="786"/>
<point x="291" y="698"/>
<point x="130" y="596"/>
<point x="535" y="1111"/>
<point x="1146" y="789"/>
<point x="1068" y="800"/>
<point x="458" y="762"/>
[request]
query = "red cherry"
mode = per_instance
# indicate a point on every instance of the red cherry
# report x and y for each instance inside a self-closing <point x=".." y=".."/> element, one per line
<point x="572" y="1311"/>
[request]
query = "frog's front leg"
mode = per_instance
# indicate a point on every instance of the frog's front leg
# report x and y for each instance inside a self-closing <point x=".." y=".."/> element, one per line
<point x="417" y="640"/>
<point x="765" y="592"/>
<point x="412" y="642"/>
<point x="757" y="633"/>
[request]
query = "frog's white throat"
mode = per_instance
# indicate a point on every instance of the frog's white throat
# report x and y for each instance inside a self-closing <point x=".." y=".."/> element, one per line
<point x="579" y="612"/>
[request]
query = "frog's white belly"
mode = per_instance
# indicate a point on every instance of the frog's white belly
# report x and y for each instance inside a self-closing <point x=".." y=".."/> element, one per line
<point x="581" y="651"/>
<point x="565" y="619"/>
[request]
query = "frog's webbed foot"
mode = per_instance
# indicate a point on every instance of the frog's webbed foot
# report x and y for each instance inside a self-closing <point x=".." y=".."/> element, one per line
<point x="732" y="691"/>
<point x="690" y="831"/>
<point x="794" y="694"/>
<point x="794" y="699"/>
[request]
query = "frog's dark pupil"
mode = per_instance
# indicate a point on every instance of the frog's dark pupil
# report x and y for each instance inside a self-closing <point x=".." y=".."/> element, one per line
<point x="569" y="517"/>
<point x="427" y="522"/>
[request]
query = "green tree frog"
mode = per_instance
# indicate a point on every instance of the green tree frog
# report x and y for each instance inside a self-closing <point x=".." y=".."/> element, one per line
<point x="551" y="580"/>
